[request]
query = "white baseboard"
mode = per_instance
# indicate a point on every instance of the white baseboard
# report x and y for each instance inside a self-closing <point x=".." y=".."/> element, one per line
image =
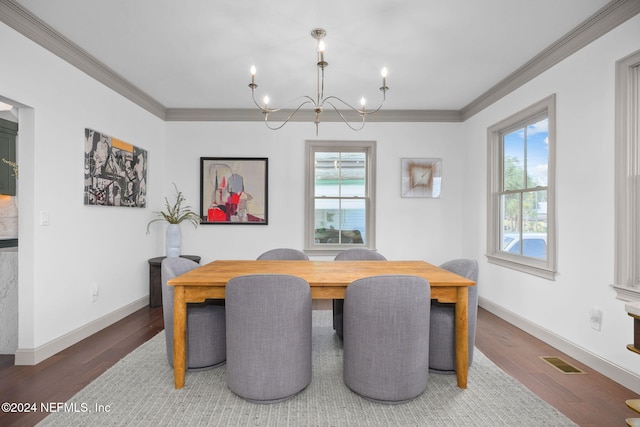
<point x="603" y="366"/>
<point x="33" y="356"/>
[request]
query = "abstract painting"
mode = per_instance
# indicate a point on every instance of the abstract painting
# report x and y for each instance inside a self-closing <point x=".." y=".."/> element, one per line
<point x="421" y="177"/>
<point x="115" y="172"/>
<point x="233" y="190"/>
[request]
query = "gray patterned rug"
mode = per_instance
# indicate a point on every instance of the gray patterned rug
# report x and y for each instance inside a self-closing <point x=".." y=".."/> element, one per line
<point x="139" y="391"/>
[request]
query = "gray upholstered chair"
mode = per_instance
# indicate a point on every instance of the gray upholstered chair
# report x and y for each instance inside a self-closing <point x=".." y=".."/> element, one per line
<point x="283" y="254"/>
<point x="206" y="331"/>
<point x="442" y="356"/>
<point x="386" y="343"/>
<point x="268" y="336"/>
<point x="353" y="254"/>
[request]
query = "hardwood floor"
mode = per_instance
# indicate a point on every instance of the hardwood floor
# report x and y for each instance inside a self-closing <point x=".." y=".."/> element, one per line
<point x="589" y="399"/>
<point x="58" y="378"/>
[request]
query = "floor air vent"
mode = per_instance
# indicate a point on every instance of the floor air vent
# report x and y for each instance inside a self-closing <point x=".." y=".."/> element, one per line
<point x="561" y="365"/>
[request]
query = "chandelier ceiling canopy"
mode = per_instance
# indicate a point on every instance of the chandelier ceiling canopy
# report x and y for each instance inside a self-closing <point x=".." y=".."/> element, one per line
<point x="320" y="101"/>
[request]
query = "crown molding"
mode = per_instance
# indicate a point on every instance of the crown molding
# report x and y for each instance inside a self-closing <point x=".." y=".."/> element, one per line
<point x="254" y="115"/>
<point x="30" y="26"/>
<point x="606" y="19"/>
<point x="610" y="16"/>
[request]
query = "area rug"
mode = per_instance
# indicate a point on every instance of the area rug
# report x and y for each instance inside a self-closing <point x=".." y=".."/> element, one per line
<point x="138" y="390"/>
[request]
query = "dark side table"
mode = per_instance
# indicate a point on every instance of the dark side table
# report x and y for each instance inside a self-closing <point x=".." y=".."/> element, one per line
<point x="155" y="280"/>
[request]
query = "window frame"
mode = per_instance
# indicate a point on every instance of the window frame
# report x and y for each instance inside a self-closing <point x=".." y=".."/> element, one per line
<point x="314" y="146"/>
<point x="540" y="267"/>
<point x="627" y="177"/>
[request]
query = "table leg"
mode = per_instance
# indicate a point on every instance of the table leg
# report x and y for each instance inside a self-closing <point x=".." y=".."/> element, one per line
<point x="462" y="336"/>
<point x="179" y="336"/>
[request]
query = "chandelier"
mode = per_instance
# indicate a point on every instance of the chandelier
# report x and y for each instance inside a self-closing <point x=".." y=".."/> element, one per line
<point x="320" y="101"/>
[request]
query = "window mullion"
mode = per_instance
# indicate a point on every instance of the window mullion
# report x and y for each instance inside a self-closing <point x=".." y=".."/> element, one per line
<point x="523" y="190"/>
<point x="525" y="184"/>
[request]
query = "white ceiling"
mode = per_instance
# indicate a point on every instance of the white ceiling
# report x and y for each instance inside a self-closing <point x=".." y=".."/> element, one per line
<point x="441" y="54"/>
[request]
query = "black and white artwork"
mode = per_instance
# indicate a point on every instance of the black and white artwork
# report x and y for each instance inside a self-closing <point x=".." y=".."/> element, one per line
<point x="115" y="172"/>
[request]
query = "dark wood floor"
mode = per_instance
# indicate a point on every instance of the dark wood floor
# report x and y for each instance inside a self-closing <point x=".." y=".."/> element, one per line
<point x="588" y="399"/>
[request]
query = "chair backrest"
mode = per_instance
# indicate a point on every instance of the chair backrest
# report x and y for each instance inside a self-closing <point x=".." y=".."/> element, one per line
<point x="386" y="337"/>
<point x="442" y="356"/>
<point x="377" y="294"/>
<point x="268" y="320"/>
<point x="170" y="268"/>
<point x="256" y="291"/>
<point x="284" y="254"/>
<point x="359" y="254"/>
<point x="466" y="268"/>
<point x="463" y="267"/>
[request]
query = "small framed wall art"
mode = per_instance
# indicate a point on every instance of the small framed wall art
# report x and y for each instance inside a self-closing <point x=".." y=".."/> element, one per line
<point x="234" y="190"/>
<point x="421" y="177"/>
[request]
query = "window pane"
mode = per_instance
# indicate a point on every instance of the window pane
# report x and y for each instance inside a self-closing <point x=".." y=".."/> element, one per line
<point x="534" y="210"/>
<point x="510" y="219"/>
<point x="327" y="220"/>
<point x="340" y="221"/>
<point x="340" y="174"/>
<point x="538" y="154"/>
<point x="353" y="174"/>
<point x="513" y="160"/>
<point x="327" y="174"/>
<point x="526" y="236"/>
<point x="354" y="221"/>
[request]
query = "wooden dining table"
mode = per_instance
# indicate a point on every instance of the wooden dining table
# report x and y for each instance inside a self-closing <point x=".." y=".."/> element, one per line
<point x="327" y="280"/>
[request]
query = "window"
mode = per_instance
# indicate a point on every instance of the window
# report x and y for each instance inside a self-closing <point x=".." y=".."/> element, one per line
<point x="627" y="180"/>
<point x="339" y="196"/>
<point x="521" y="221"/>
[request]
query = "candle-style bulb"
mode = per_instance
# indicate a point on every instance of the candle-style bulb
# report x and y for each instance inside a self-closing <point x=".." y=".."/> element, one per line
<point x="321" y="46"/>
<point x="384" y="73"/>
<point x="363" y="101"/>
<point x="265" y="100"/>
<point x="253" y="77"/>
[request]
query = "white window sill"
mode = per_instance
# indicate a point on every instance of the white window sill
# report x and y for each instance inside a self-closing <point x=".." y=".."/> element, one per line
<point x="627" y="293"/>
<point x="523" y="264"/>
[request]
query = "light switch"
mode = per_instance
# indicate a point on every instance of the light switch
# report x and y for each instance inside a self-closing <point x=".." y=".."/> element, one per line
<point x="44" y="217"/>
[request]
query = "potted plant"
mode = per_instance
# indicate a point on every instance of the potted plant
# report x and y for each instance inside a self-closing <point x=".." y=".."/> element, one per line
<point x="174" y="215"/>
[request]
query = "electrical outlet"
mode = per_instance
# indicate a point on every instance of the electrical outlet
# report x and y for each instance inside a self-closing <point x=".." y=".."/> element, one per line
<point x="95" y="290"/>
<point x="596" y="318"/>
<point x="44" y="218"/>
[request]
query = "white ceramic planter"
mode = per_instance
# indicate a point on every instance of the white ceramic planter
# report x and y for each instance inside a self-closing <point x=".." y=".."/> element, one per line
<point x="173" y="240"/>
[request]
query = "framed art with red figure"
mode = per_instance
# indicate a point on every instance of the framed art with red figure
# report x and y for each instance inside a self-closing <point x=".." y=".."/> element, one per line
<point x="234" y="190"/>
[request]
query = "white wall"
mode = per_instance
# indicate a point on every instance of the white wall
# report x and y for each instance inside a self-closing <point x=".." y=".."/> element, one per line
<point x="585" y="88"/>
<point x="422" y="228"/>
<point x="82" y="245"/>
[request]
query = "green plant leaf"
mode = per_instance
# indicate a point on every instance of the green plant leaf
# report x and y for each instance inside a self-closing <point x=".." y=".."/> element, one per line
<point x="176" y="213"/>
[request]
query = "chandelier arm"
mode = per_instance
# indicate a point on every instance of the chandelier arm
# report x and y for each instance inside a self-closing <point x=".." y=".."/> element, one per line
<point x="293" y="113"/>
<point x="361" y="112"/>
<point x="275" y="110"/>
<point x="344" y="119"/>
